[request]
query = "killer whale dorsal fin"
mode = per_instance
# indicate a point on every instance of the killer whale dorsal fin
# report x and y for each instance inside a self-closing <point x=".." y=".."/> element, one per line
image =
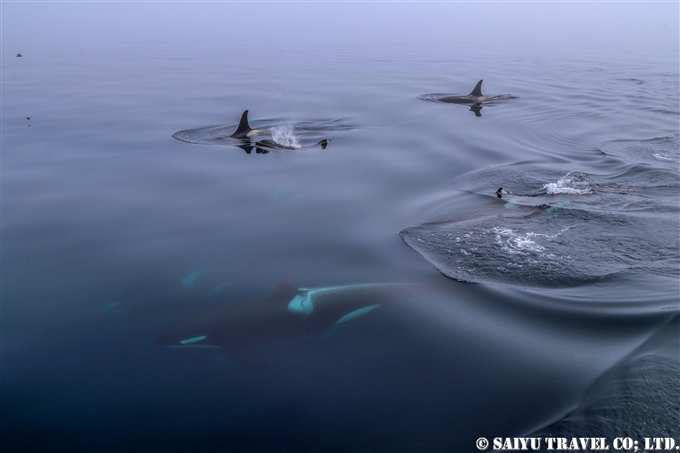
<point x="284" y="292"/>
<point x="478" y="89"/>
<point x="243" y="127"/>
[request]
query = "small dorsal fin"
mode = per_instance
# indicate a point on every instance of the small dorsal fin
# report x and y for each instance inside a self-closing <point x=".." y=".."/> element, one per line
<point x="477" y="91"/>
<point x="243" y="127"/>
<point x="285" y="291"/>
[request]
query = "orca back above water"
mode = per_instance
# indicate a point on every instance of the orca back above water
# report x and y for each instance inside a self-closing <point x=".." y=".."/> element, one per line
<point x="267" y="145"/>
<point x="475" y="96"/>
<point x="272" y="145"/>
<point x="244" y="133"/>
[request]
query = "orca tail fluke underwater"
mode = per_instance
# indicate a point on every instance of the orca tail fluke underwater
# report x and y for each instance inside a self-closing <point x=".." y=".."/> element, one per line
<point x="243" y="130"/>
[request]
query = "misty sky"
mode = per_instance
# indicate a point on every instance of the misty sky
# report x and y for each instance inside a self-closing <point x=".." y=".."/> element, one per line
<point x="74" y="25"/>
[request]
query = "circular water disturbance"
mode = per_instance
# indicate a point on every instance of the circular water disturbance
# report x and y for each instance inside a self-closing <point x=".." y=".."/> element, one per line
<point x="552" y="229"/>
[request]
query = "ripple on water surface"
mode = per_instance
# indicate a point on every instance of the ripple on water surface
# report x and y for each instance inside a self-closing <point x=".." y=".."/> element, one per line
<point x="552" y="229"/>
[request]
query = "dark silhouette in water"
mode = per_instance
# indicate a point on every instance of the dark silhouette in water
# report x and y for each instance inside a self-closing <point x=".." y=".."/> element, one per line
<point x="244" y="131"/>
<point x="271" y="144"/>
<point x="474" y="100"/>
<point x="247" y="147"/>
<point x="477" y="108"/>
<point x="475" y="97"/>
<point x="266" y="145"/>
<point x="239" y="327"/>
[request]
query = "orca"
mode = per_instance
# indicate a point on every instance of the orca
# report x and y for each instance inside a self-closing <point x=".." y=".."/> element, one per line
<point x="266" y="145"/>
<point x="270" y="138"/>
<point x="272" y="145"/>
<point x="239" y="327"/>
<point x="244" y="131"/>
<point x="475" y="96"/>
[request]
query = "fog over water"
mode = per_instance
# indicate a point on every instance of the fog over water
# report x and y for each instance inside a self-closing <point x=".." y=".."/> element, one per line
<point x="263" y="26"/>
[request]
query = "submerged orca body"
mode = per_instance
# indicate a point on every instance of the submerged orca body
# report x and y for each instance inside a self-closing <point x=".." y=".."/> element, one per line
<point x="272" y="145"/>
<point x="239" y="327"/>
<point x="266" y="145"/>
<point x="244" y="131"/>
<point x="475" y="96"/>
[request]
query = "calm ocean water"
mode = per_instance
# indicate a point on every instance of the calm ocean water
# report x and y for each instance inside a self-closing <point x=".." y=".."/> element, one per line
<point x="550" y="311"/>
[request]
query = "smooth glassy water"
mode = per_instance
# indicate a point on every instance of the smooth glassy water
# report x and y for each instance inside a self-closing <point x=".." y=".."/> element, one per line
<point x="551" y="310"/>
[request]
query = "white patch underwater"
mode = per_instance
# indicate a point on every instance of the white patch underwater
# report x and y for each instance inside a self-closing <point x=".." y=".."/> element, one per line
<point x="301" y="304"/>
<point x="356" y="313"/>
<point x="193" y="339"/>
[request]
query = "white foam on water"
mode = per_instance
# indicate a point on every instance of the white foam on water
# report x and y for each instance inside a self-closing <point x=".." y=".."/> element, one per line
<point x="284" y="135"/>
<point x="513" y="242"/>
<point x="571" y="183"/>
<point x="662" y="157"/>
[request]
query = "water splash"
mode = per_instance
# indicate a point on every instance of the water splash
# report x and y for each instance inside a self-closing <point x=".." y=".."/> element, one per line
<point x="285" y="135"/>
<point x="572" y="183"/>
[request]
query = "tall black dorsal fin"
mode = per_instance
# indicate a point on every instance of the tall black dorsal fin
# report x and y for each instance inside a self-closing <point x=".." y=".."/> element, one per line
<point x="285" y="292"/>
<point x="477" y="91"/>
<point x="243" y="127"/>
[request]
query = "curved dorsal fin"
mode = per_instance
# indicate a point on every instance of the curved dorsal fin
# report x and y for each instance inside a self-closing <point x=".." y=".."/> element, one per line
<point x="477" y="91"/>
<point x="285" y="292"/>
<point x="243" y="127"/>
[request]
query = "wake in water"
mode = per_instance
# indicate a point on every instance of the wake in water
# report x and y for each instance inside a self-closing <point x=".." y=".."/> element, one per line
<point x="636" y="398"/>
<point x="551" y="230"/>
